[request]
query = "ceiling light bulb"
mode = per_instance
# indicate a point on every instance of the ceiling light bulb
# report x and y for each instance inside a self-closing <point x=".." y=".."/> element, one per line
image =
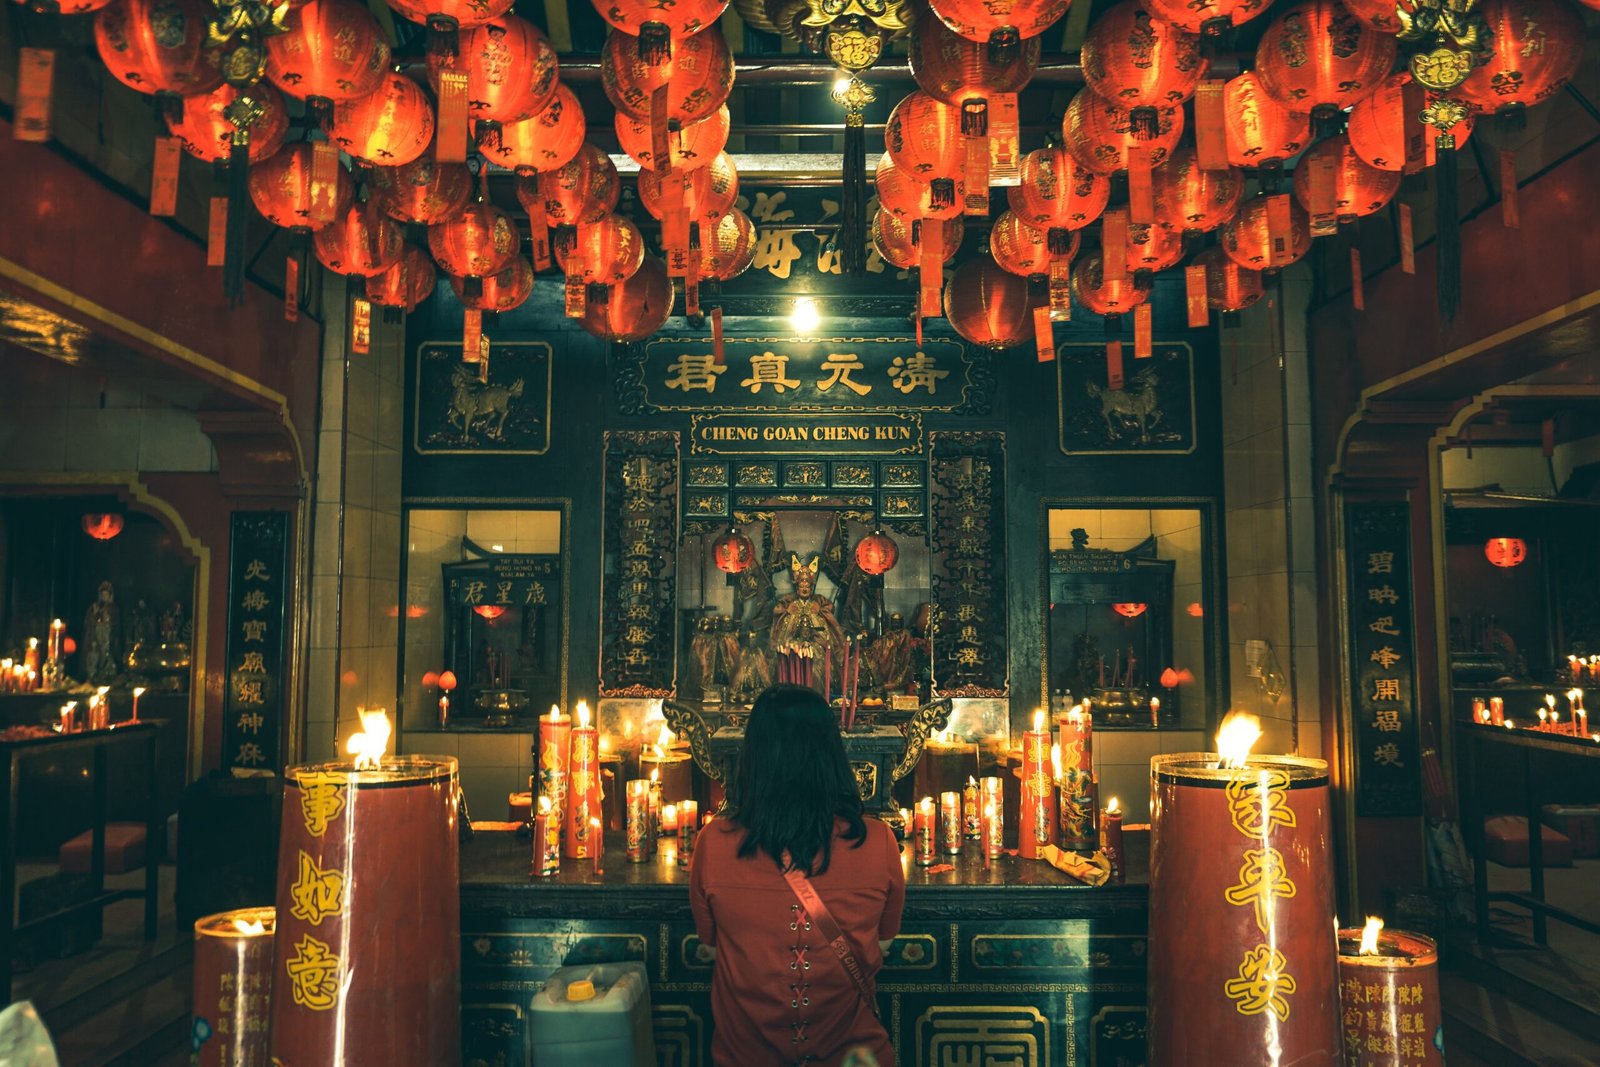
<point x="805" y="317"/>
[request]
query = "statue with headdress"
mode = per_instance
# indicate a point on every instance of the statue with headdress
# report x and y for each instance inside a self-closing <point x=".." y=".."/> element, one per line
<point x="803" y="621"/>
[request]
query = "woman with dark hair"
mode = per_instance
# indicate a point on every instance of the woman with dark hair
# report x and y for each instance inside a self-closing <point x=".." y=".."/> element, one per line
<point x="792" y="866"/>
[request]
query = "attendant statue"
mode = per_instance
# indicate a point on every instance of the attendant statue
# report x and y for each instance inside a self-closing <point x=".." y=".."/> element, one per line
<point x="141" y="628"/>
<point x="754" y="672"/>
<point x="803" y="621"/>
<point x="100" y="634"/>
<point x="729" y="651"/>
<point x="703" y="649"/>
<point x="175" y="625"/>
<point x="893" y="656"/>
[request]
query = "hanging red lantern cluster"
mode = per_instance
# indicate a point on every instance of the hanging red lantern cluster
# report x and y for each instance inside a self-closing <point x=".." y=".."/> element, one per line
<point x="284" y="190"/>
<point x="705" y="194"/>
<point x="1102" y="295"/>
<point x="953" y="69"/>
<point x="511" y="70"/>
<point x="1229" y="287"/>
<point x="1269" y="233"/>
<point x="1534" y="49"/>
<point x="1023" y="250"/>
<point x="695" y="145"/>
<point x="684" y="89"/>
<point x="158" y="46"/>
<point x="584" y="189"/>
<point x="1058" y="193"/>
<point x="659" y="26"/>
<point x="1378" y="127"/>
<point x="1002" y="25"/>
<point x="897" y="240"/>
<point x="479" y="241"/>
<point x="422" y="191"/>
<point x="1210" y="18"/>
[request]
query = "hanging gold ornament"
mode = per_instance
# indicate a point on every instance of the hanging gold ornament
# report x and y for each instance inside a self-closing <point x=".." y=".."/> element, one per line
<point x="1459" y="34"/>
<point x="239" y="30"/>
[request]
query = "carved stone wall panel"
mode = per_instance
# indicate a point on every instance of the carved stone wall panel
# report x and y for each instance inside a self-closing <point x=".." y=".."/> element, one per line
<point x="968" y="585"/>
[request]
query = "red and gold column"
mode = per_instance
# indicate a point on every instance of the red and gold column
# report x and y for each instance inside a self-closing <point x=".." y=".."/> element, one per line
<point x="233" y="988"/>
<point x="368" y="953"/>
<point x="1242" y="954"/>
<point x="1080" y="831"/>
<point x="1389" y="995"/>
<point x="579" y="841"/>
<point x="1037" y="825"/>
<point x="555" y="746"/>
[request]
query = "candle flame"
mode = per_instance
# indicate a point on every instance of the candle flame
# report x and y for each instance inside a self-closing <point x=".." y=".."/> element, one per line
<point x="669" y="812"/>
<point x="1550" y="700"/>
<point x="1055" y="760"/>
<point x="664" y="739"/>
<point x="1510" y="725"/>
<point x="555" y="712"/>
<point x="583" y="715"/>
<point x="33" y="644"/>
<point x="973" y="782"/>
<point x="57" y="624"/>
<point x="988" y="809"/>
<point x="1038" y="721"/>
<point x="940" y="736"/>
<point x="544" y="805"/>
<point x="1369" y="936"/>
<point x="925" y="802"/>
<point x="1237" y="735"/>
<point x="138" y="691"/>
<point x="257" y="927"/>
<point x="1113" y="807"/>
<point x="1075" y="716"/>
<point x="655" y="775"/>
<point x="369" y="743"/>
<point x="605" y="744"/>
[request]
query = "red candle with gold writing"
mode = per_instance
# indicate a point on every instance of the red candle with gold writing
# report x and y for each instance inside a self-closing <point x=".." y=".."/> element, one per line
<point x="992" y="797"/>
<point x="1241" y="954"/>
<point x="1075" y="733"/>
<point x="950" y="823"/>
<point x="583" y="789"/>
<point x="555" y="746"/>
<point x="923" y="833"/>
<point x="1111" y="840"/>
<point x="546" y="840"/>
<point x="1497" y="711"/>
<point x="233" y="988"/>
<point x="688" y="827"/>
<point x="1037" y="823"/>
<point x="971" y="817"/>
<point x="1389" y="997"/>
<point x="636" y="842"/>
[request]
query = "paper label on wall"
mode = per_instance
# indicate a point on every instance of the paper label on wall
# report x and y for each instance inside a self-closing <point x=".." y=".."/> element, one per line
<point x="164" y="177"/>
<point x="36" y="68"/>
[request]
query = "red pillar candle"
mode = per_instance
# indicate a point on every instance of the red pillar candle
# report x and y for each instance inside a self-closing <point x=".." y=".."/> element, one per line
<point x="923" y="835"/>
<point x="30" y="658"/>
<point x="688" y="827"/>
<point x="677" y="772"/>
<point x="1111" y="840"/>
<point x="971" y="817"/>
<point x="1078" y="818"/>
<point x="653" y="826"/>
<point x="669" y="818"/>
<point x="58" y="630"/>
<point x="546" y="840"/>
<point x="637" y="839"/>
<point x="950" y="822"/>
<point x="1037" y="824"/>
<point x="368" y="955"/>
<point x="597" y="845"/>
<point x="992" y="797"/>
<point x="232" y="988"/>
<point x="1241" y="950"/>
<point x="611" y="799"/>
<point x="555" y="746"/>
<point x="989" y="833"/>
<point x="1389" y="992"/>
<point x="583" y="789"/>
<point x="1497" y="711"/>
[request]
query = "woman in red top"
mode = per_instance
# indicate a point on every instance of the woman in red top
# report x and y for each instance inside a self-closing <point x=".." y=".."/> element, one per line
<point x="779" y="995"/>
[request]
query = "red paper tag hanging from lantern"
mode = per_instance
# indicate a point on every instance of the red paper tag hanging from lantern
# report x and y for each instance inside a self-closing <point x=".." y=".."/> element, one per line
<point x="695" y="145"/>
<point x="326" y="174"/>
<point x="1140" y="63"/>
<point x="1114" y="380"/>
<point x="406" y="284"/>
<point x="1506" y="551"/>
<point x="361" y="242"/>
<point x="1316" y="57"/>
<point x="1143" y="321"/>
<point x="36" y="69"/>
<point x="1534" y="48"/>
<point x="331" y="51"/>
<point x="987" y="306"/>
<point x="733" y="552"/>
<point x="1141" y="193"/>
<point x="471" y="336"/>
<point x="637" y="307"/>
<point x="1228" y="286"/>
<point x="506" y="290"/>
<point x="1114" y="244"/>
<point x="1358" y="188"/>
<point x="389" y="127"/>
<point x="164" y="176"/>
<point x="1103" y="295"/>
<point x="1408" y="249"/>
<point x="1259" y="131"/>
<point x="422" y="191"/>
<point x="1379" y="127"/>
<point x="158" y="46"/>
<point x="1189" y="199"/>
<point x="1000" y="26"/>
<point x="930" y="266"/>
<point x="511" y="70"/>
<point x="1194" y="294"/>
<point x="207" y="135"/>
<point x="876" y="554"/>
<point x="954" y="69"/>
<point x="727" y="247"/>
<point x="1210" y="125"/>
<point x="1251" y="241"/>
<point x="281" y="188"/>
<point x="450" y="142"/>
<point x="1209" y="18"/>
<point x="547" y="141"/>
<point x="480" y="241"/>
<point x="1098" y="133"/>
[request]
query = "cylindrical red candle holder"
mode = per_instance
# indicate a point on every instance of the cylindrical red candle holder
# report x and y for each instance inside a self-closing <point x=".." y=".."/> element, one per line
<point x="992" y="796"/>
<point x="233" y="988"/>
<point x="1241" y="953"/>
<point x="613" y="804"/>
<point x="971" y="813"/>
<point x="1111" y="841"/>
<point x="677" y="774"/>
<point x="950" y="823"/>
<point x="1079" y="816"/>
<point x="555" y="746"/>
<point x="1390" y="1001"/>
<point x="688" y="828"/>
<point x="368" y="961"/>
<point x="583" y="794"/>
<point x="1497" y="711"/>
<point x="546" y="840"/>
<point x="636" y="839"/>
<point x="923" y="832"/>
<point x="1036" y="825"/>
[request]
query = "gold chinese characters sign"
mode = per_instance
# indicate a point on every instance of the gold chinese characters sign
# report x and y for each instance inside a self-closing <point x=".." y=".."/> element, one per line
<point x="254" y="702"/>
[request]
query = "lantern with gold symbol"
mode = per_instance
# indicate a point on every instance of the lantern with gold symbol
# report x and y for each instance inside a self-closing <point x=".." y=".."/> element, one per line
<point x="1269" y="233"/>
<point x="876" y="554"/>
<point x="511" y="70"/>
<point x="1099" y="134"/>
<point x="1534" y="48"/>
<point x="906" y="197"/>
<point x="389" y="127"/>
<point x="422" y="191"/>
<point x="895" y="239"/>
<point x="1110" y="297"/>
<point x="1058" y="193"/>
<point x="1190" y="200"/>
<point x="361" y="242"/>
<point x="283" y="190"/>
<point x="1353" y="188"/>
<point x="1378" y="124"/>
<point x="597" y="256"/>
<point x="1210" y="18"/>
<point x="158" y="47"/>
<point x="960" y="73"/>
<point x="585" y="189"/>
<point x="406" y="284"/>
<point x="1229" y="287"/>
<point x="987" y="306"/>
<point x="1001" y="24"/>
<point x="480" y="241"/>
<point x="693" y="83"/>
<point x="923" y="137"/>
<point x="1141" y="64"/>
<point x="637" y="307"/>
<point x="695" y="145"/>
<point x="1023" y="250"/>
<point x="1317" y="57"/>
<point x="661" y="26"/>
<point x="505" y="291"/>
<point x="707" y="192"/>
<point x="733" y="552"/>
<point x="1260" y="131"/>
<point x="728" y="247"/>
<point x="207" y="133"/>
<point x="331" y="51"/>
<point x="546" y="141"/>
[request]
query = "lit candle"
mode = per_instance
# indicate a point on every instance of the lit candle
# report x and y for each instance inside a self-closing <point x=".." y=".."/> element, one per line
<point x="8" y="675"/>
<point x="30" y="658"/>
<point x="69" y="717"/>
<point x="989" y="835"/>
<point x="1111" y="839"/>
<point x="1078" y="822"/>
<point x="99" y="710"/>
<point x="1497" y="711"/>
<point x="138" y="691"/>
<point x="1580" y="717"/>
<point x="546" y="840"/>
<point x="669" y="818"/>
<point x="924" y="832"/>
<point x="58" y="630"/>
<point x="583" y="790"/>
<point x="676" y="768"/>
<point x="969" y="809"/>
<point x="1155" y="713"/>
<point x="444" y="710"/>
<point x="1038" y="791"/>
<point x="637" y="839"/>
<point x="1480" y="710"/>
<point x="1398" y="972"/>
<point x="992" y="797"/>
<point x="950" y="822"/>
<point x="555" y="746"/>
<point x="654" y="809"/>
<point x="597" y="835"/>
<point x="1574" y="671"/>
<point x="233" y="985"/>
<point x="688" y="827"/>
<point x="1544" y="718"/>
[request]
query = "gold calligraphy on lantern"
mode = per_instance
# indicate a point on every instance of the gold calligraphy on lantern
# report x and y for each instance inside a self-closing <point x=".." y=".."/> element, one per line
<point x="313" y="974"/>
<point x="321" y="800"/>
<point x="316" y="893"/>
<point x="1263" y="984"/>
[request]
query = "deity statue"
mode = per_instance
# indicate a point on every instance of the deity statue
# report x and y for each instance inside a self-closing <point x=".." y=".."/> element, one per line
<point x="754" y="672"/>
<point x="703" y="649"/>
<point x="729" y="652"/>
<point x="803" y="621"/>
<point x="893" y="656"/>
<point x="175" y="627"/>
<point x="100" y="635"/>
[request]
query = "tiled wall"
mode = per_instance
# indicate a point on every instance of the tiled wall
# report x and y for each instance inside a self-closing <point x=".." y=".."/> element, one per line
<point x="355" y="571"/>
<point x="1270" y="535"/>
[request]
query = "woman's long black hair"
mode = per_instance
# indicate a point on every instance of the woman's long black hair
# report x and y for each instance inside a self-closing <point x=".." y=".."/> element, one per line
<point x="794" y="780"/>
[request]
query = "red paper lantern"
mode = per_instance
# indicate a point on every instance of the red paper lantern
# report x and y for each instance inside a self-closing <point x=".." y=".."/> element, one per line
<point x="924" y="139"/>
<point x="896" y="240"/>
<point x="733" y="552"/>
<point x="1103" y="296"/>
<point x="504" y="291"/>
<point x="1024" y="250"/>
<point x="462" y="14"/>
<point x="727" y="247"/>
<point x="69" y="7"/>
<point x="389" y="127"/>
<point x="1229" y="287"/>
<point x="1098" y="133"/>
<point x="1506" y="551"/>
<point x="103" y="525"/>
<point x="708" y="194"/>
<point x="876" y="554"/>
<point x="1377" y="127"/>
<point x="422" y="191"/>
<point x="1249" y="241"/>
<point x="1000" y="24"/>
<point x="607" y="252"/>
<point x="207" y="135"/>
<point x="333" y="51"/>
<point x="511" y="69"/>
<point x="1376" y="14"/>
<point x="488" y="612"/>
<point x="361" y="242"/>
<point x="1359" y="189"/>
<point x="585" y="189"/>
<point x="547" y="141"/>
<point x="1191" y="200"/>
<point x="480" y="241"/>
<point x="1260" y="131"/>
<point x="1535" y="49"/>
<point x="987" y="306"/>
<point x="1316" y="57"/>
<point x="406" y="284"/>
<point x="1057" y="193"/>
<point x="697" y="78"/>
<point x="695" y="145"/>
<point x="158" y="46"/>
<point x="637" y="308"/>
<point x="447" y="680"/>
<point x="280" y="188"/>
<point x="1151" y="249"/>
<point x="1209" y="18"/>
<point x="1130" y="610"/>
<point x="952" y="69"/>
<point x="661" y="27"/>
<point x="1141" y="63"/>
<point x="904" y="196"/>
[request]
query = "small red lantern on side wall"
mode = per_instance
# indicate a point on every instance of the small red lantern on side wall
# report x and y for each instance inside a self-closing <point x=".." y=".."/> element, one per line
<point x="1506" y="551"/>
<point x="1130" y="611"/>
<point x="103" y="526"/>
<point x="489" y="612"/>
<point x="732" y="552"/>
<point x="876" y="554"/>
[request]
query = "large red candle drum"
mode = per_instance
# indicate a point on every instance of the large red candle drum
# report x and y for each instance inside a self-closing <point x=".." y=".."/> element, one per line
<point x="555" y="745"/>
<point x="1036" y="826"/>
<point x="1389" y="996"/>
<point x="368" y="954"/>
<point x="233" y="987"/>
<point x="1242" y="954"/>
<point x="677" y="772"/>
<point x="583" y="789"/>
<point x="945" y="764"/>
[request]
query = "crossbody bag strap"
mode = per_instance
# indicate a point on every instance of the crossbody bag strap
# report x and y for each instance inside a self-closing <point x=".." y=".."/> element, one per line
<point x="811" y="900"/>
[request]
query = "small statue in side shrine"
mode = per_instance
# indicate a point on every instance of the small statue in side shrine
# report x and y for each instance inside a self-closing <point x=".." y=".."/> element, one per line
<point x="803" y="621"/>
<point x="729" y="652"/>
<point x="101" y="633"/>
<point x="175" y="627"/>
<point x="893" y="656"/>
<point x="141" y="628"/>
<point x="754" y="672"/>
<point x="703" y="648"/>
